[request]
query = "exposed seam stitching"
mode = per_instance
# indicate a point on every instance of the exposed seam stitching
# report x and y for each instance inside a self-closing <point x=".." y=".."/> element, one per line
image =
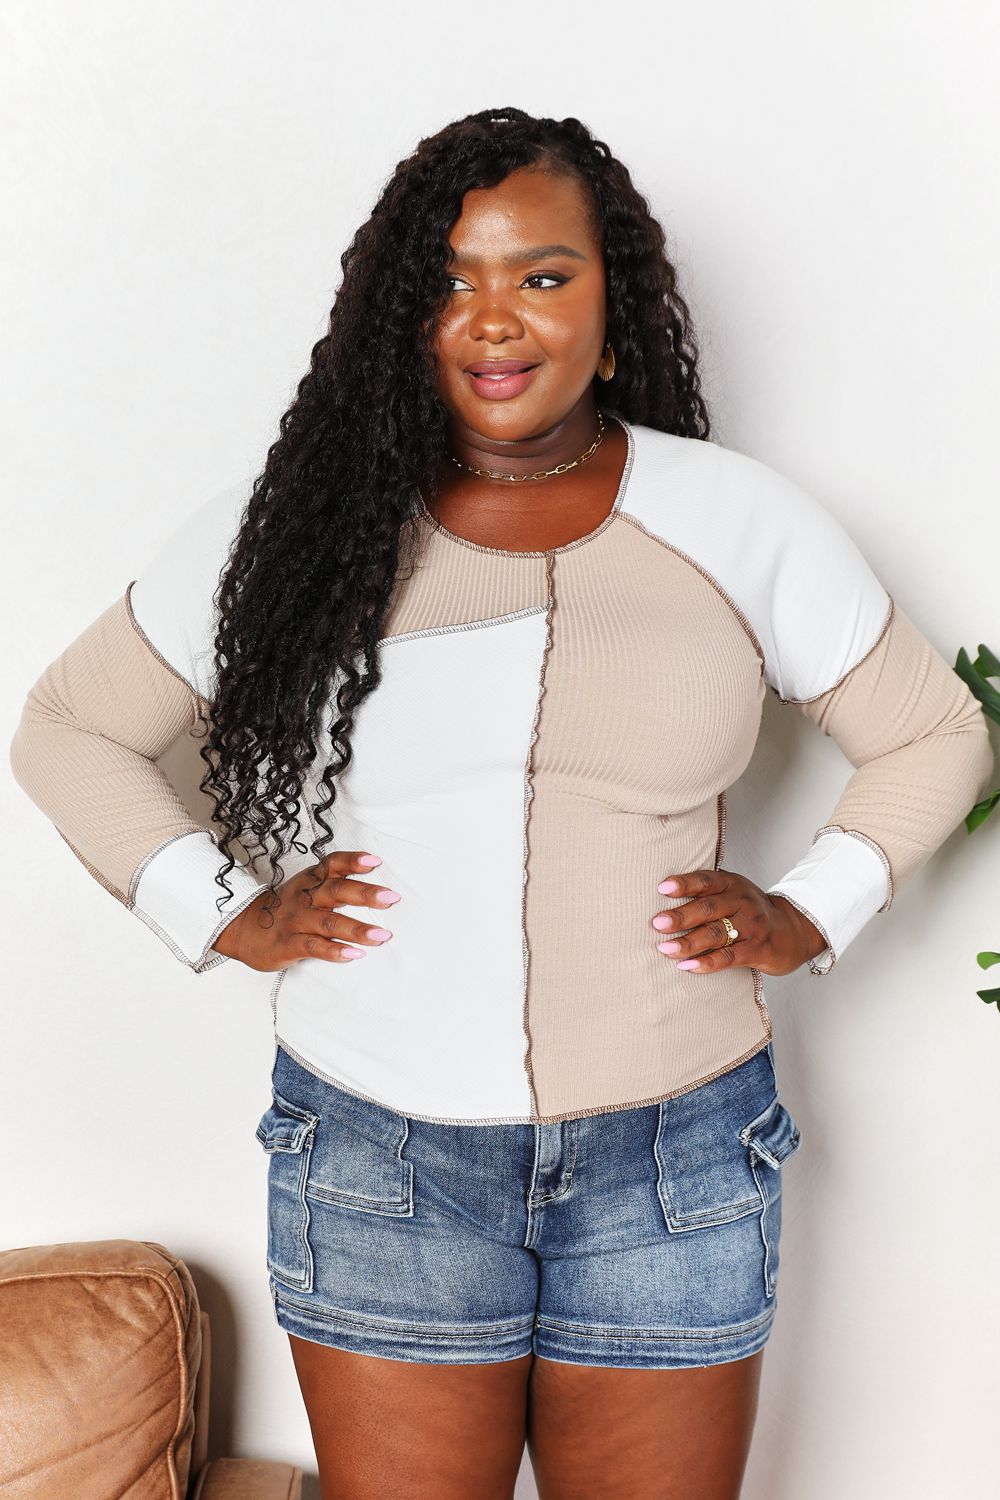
<point x="576" y="1114"/>
<point x="199" y="965"/>
<point x="140" y="868"/>
<point x="203" y="962"/>
<point x="147" y="642"/>
<point x="761" y="1004"/>
<point x="394" y="1327"/>
<point x="230" y="917"/>
<point x="412" y="635"/>
<point x="111" y="889"/>
<point x="817" y="696"/>
<point x="689" y="1335"/>
<point x="806" y="913"/>
<point x="529" y="792"/>
<point x="275" y="987"/>
<point x="721" y="815"/>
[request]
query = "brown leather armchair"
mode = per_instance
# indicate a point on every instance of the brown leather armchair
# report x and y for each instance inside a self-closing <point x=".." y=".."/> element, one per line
<point x="104" y="1381"/>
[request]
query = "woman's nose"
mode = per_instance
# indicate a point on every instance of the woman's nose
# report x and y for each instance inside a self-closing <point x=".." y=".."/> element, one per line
<point x="494" y="320"/>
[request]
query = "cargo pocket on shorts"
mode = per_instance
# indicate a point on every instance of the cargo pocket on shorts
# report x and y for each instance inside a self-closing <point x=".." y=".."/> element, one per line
<point x="704" y="1177"/>
<point x="771" y="1139"/>
<point x="287" y="1133"/>
<point x="358" y="1162"/>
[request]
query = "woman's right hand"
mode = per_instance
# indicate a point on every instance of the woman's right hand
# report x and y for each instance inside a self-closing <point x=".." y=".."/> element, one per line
<point x="309" y="925"/>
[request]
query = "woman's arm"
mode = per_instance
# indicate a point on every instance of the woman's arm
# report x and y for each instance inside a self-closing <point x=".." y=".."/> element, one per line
<point x="920" y="744"/>
<point x="833" y="641"/>
<point x="92" y="727"/>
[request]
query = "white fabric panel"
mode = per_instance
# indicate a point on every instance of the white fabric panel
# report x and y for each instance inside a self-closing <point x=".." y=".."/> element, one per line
<point x="436" y="788"/>
<point x="172" y="599"/>
<point x="807" y="591"/>
<point x="840" y="883"/>
<point x="176" y="896"/>
<point x="173" y="606"/>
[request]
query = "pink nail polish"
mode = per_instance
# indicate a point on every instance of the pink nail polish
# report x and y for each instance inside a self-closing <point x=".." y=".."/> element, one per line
<point x="689" y="963"/>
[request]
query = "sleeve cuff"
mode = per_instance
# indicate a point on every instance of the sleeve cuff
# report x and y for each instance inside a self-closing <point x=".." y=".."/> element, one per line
<point x="175" y="893"/>
<point x="839" y="884"/>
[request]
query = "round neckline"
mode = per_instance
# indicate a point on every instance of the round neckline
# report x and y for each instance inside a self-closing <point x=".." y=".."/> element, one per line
<point x="579" y="541"/>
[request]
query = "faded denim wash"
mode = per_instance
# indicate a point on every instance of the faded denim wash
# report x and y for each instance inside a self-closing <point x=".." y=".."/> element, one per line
<point x="641" y="1238"/>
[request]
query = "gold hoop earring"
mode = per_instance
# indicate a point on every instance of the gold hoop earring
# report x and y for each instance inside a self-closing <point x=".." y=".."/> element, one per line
<point x="606" y="363"/>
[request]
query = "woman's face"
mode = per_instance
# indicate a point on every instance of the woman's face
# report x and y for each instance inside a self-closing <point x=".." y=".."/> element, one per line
<point x="527" y="285"/>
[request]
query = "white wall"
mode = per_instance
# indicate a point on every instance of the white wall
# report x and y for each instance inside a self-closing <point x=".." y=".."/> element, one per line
<point x="179" y="182"/>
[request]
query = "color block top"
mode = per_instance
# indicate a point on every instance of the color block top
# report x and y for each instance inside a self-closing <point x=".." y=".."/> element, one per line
<point x="553" y="734"/>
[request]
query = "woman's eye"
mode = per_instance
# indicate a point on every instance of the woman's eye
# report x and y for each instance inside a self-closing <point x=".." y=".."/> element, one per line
<point x="536" y="276"/>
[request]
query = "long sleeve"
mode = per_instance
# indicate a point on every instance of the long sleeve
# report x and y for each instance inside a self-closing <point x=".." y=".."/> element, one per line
<point x="97" y="718"/>
<point x="835" y="643"/>
<point x="919" y="743"/>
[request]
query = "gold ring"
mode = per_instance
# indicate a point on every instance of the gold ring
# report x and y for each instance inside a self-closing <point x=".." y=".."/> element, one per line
<point x="733" y="934"/>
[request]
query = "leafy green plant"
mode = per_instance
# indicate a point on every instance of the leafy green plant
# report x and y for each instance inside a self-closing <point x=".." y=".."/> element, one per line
<point x="977" y="674"/>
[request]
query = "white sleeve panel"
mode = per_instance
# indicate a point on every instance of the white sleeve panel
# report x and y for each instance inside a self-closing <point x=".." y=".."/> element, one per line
<point x="789" y="568"/>
<point x="176" y="893"/>
<point x="839" y="884"/>
<point x="173" y="598"/>
<point x="814" y="601"/>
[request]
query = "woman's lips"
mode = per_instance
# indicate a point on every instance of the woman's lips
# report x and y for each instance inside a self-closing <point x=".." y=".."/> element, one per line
<point x="501" y="387"/>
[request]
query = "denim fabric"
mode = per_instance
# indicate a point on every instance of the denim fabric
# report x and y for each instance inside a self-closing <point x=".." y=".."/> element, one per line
<point x="641" y="1238"/>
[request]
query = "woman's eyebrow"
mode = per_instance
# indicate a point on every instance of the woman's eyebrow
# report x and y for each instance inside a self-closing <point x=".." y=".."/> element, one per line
<point x="518" y="257"/>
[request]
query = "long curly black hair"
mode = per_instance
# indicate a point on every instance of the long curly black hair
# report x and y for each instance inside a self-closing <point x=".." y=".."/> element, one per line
<point x="322" y="540"/>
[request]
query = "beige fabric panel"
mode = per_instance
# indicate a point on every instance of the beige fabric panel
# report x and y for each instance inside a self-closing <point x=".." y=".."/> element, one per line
<point x="85" y="748"/>
<point x="452" y="585"/>
<point x="638" y="735"/>
<point x="640" y="731"/>
<point x="927" y="734"/>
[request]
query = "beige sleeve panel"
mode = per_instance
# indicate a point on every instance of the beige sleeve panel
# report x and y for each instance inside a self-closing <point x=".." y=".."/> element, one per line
<point x="84" y="751"/>
<point x="919" y="740"/>
<point x="920" y="745"/>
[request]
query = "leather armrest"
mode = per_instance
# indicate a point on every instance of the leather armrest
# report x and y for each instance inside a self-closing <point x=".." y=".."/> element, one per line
<point x="248" y="1479"/>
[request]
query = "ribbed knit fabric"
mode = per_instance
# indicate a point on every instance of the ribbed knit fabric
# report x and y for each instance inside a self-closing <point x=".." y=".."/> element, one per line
<point x="554" y="733"/>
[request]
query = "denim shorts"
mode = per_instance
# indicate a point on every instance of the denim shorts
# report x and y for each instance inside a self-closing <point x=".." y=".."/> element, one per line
<point x="643" y="1238"/>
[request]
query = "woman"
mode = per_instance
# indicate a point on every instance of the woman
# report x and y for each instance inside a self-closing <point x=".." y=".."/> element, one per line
<point x="499" y="598"/>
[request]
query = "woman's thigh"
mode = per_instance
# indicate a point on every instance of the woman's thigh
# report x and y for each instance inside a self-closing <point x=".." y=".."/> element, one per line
<point x="385" y="1427"/>
<point x="680" y="1434"/>
<point x="658" y="1293"/>
<point x="447" y="1432"/>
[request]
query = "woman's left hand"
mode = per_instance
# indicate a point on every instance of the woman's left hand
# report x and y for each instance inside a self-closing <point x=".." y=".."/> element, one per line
<point x="774" y="936"/>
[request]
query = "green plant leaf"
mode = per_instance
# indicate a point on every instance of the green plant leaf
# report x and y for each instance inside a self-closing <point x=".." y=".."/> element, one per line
<point x="988" y="696"/>
<point x="974" y="675"/>
<point x="982" y="810"/>
<point x="986" y="664"/>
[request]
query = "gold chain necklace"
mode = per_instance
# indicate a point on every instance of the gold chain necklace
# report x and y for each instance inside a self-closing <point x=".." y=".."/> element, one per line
<point x="542" y="473"/>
